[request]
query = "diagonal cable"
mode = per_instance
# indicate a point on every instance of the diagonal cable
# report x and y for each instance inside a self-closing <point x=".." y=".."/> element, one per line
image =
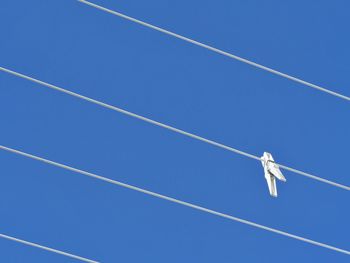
<point x="246" y="61"/>
<point x="191" y="135"/>
<point x="154" y="194"/>
<point x="47" y="248"/>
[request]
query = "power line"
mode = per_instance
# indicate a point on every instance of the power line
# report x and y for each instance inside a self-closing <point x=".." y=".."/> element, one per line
<point x="233" y="218"/>
<point x="47" y="248"/>
<point x="191" y="135"/>
<point x="246" y="61"/>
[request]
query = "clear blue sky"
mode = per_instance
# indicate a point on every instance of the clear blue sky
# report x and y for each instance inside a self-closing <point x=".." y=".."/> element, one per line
<point x="90" y="52"/>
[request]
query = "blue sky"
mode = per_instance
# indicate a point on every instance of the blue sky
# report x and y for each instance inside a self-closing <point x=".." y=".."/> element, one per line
<point x="90" y="52"/>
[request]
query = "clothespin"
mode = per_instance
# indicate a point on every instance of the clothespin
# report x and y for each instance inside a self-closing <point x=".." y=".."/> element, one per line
<point x="272" y="172"/>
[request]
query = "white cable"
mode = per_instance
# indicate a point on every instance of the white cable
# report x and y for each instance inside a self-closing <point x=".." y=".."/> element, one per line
<point x="108" y="106"/>
<point x="174" y="200"/>
<point x="47" y="248"/>
<point x="273" y="71"/>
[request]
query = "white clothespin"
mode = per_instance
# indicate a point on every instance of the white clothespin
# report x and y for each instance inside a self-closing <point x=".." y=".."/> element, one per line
<point x="272" y="172"/>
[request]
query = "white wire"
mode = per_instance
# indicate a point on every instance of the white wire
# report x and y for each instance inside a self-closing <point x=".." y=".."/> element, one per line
<point x="47" y="248"/>
<point x="178" y="131"/>
<point x="175" y="200"/>
<point x="108" y="106"/>
<point x="216" y="50"/>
